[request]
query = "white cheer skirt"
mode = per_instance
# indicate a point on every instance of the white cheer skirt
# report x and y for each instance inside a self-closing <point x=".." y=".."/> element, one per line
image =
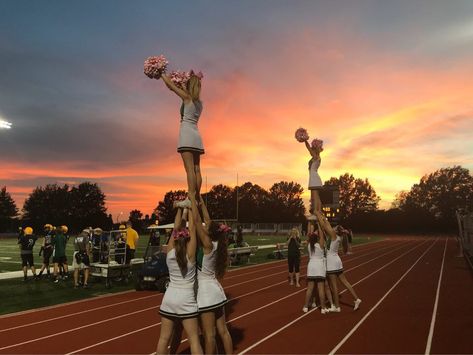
<point x="334" y="264"/>
<point x="179" y="303"/>
<point x="210" y="295"/>
<point x="316" y="269"/>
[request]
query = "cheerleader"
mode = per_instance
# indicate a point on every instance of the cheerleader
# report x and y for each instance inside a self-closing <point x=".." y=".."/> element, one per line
<point x="316" y="271"/>
<point x="315" y="182"/>
<point x="211" y="298"/>
<point x="190" y="142"/>
<point x="179" y="303"/>
<point x="334" y="264"/>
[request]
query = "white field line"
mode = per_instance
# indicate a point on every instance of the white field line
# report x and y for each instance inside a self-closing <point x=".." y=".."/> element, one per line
<point x="434" y="313"/>
<point x="241" y="316"/>
<point x="353" y="330"/>
<point x="305" y="314"/>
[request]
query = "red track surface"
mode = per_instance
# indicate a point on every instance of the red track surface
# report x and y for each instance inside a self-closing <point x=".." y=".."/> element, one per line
<point x="398" y="280"/>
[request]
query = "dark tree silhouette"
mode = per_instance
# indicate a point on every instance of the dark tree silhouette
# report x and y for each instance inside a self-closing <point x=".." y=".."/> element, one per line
<point x="439" y="194"/>
<point x="286" y="202"/>
<point x="221" y="202"/>
<point x="253" y="203"/>
<point x="8" y="210"/>
<point x="165" y="211"/>
<point x="87" y="206"/>
<point x="356" y="195"/>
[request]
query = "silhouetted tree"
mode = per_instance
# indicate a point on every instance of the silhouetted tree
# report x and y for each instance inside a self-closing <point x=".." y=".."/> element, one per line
<point x="8" y="210"/>
<point x="48" y="204"/>
<point x="87" y="206"/>
<point x="253" y="203"/>
<point x="165" y="210"/>
<point x="136" y="220"/>
<point x="286" y="202"/>
<point x="356" y="195"/>
<point x="221" y="202"/>
<point x="440" y="194"/>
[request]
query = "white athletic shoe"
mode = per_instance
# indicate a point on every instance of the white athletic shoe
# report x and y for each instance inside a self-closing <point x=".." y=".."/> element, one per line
<point x="312" y="217"/>
<point x="335" y="309"/>
<point x="324" y="310"/>
<point x="314" y="305"/>
<point x="305" y="309"/>
<point x="357" y="304"/>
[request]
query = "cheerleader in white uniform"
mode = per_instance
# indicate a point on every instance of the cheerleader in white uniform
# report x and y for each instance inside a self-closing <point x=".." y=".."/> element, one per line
<point x="179" y="304"/>
<point x="315" y="182"/>
<point x="210" y="295"/>
<point x="190" y="142"/>
<point x="334" y="264"/>
<point x="316" y="271"/>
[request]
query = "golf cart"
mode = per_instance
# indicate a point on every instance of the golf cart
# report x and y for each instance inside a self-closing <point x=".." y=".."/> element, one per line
<point x="154" y="273"/>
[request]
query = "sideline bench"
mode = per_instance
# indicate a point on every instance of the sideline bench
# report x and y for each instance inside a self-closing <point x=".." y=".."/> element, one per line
<point x="241" y="254"/>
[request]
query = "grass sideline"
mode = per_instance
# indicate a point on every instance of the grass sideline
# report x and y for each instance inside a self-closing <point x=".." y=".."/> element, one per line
<point x="17" y="295"/>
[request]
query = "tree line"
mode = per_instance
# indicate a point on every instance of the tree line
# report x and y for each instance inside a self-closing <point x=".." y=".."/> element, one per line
<point x="429" y="205"/>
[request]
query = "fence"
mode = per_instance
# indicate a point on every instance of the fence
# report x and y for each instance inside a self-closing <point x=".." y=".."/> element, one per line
<point x="465" y="227"/>
<point x="267" y="228"/>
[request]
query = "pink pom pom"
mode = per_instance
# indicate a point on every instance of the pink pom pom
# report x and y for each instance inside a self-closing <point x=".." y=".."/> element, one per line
<point x="179" y="78"/>
<point x="224" y="228"/>
<point x="198" y="74"/>
<point x="317" y="144"/>
<point x="181" y="234"/>
<point x="301" y="135"/>
<point x="155" y="66"/>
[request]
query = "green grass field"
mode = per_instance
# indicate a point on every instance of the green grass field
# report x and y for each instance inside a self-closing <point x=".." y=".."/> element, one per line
<point x="10" y="255"/>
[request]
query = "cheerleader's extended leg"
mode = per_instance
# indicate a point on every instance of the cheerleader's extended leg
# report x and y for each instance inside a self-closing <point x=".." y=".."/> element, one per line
<point x="315" y="199"/>
<point x="332" y="279"/>
<point x="188" y="159"/>
<point x="165" y="334"/>
<point x="321" y="290"/>
<point x="223" y="331"/>
<point x="349" y="287"/>
<point x="198" y="175"/>
<point x="191" y="326"/>
<point x="308" y="295"/>
<point x="208" y="328"/>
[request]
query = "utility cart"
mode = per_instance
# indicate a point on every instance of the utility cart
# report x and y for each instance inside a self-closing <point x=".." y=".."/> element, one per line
<point x="112" y="266"/>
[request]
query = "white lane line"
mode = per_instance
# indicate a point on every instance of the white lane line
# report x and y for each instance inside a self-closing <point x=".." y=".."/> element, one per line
<point x="305" y="314"/>
<point x="238" y="297"/>
<point x="81" y="312"/>
<point x="77" y="328"/>
<point x="285" y="271"/>
<point x="95" y="298"/>
<point x="434" y="313"/>
<point x="103" y="321"/>
<point x="350" y="333"/>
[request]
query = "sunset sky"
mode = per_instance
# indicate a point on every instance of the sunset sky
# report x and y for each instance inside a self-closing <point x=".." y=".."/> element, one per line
<point x="388" y="86"/>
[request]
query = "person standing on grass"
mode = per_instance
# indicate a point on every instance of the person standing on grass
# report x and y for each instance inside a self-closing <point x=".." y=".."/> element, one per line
<point x="131" y="242"/>
<point x="26" y="243"/>
<point x="80" y="259"/>
<point x="47" y="249"/>
<point x="59" y="258"/>
<point x="334" y="264"/>
<point x="179" y="304"/>
<point x="294" y="256"/>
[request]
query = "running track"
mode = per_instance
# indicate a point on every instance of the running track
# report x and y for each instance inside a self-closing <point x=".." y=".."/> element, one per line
<point x="417" y="298"/>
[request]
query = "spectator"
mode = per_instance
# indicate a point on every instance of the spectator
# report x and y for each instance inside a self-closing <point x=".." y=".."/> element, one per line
<point x="154" y="237"/>
<point x="120" y="250"/>
<point x="95" y="241"/>
<point x="80" y="260"/>
<point x="26" y="242"/>
<point x="131" y="241"/>
<point x="294" y="256"/>
<point x="59" y="258"/>
<point x="239" y="237"/>
<point x="47" y="249"/>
